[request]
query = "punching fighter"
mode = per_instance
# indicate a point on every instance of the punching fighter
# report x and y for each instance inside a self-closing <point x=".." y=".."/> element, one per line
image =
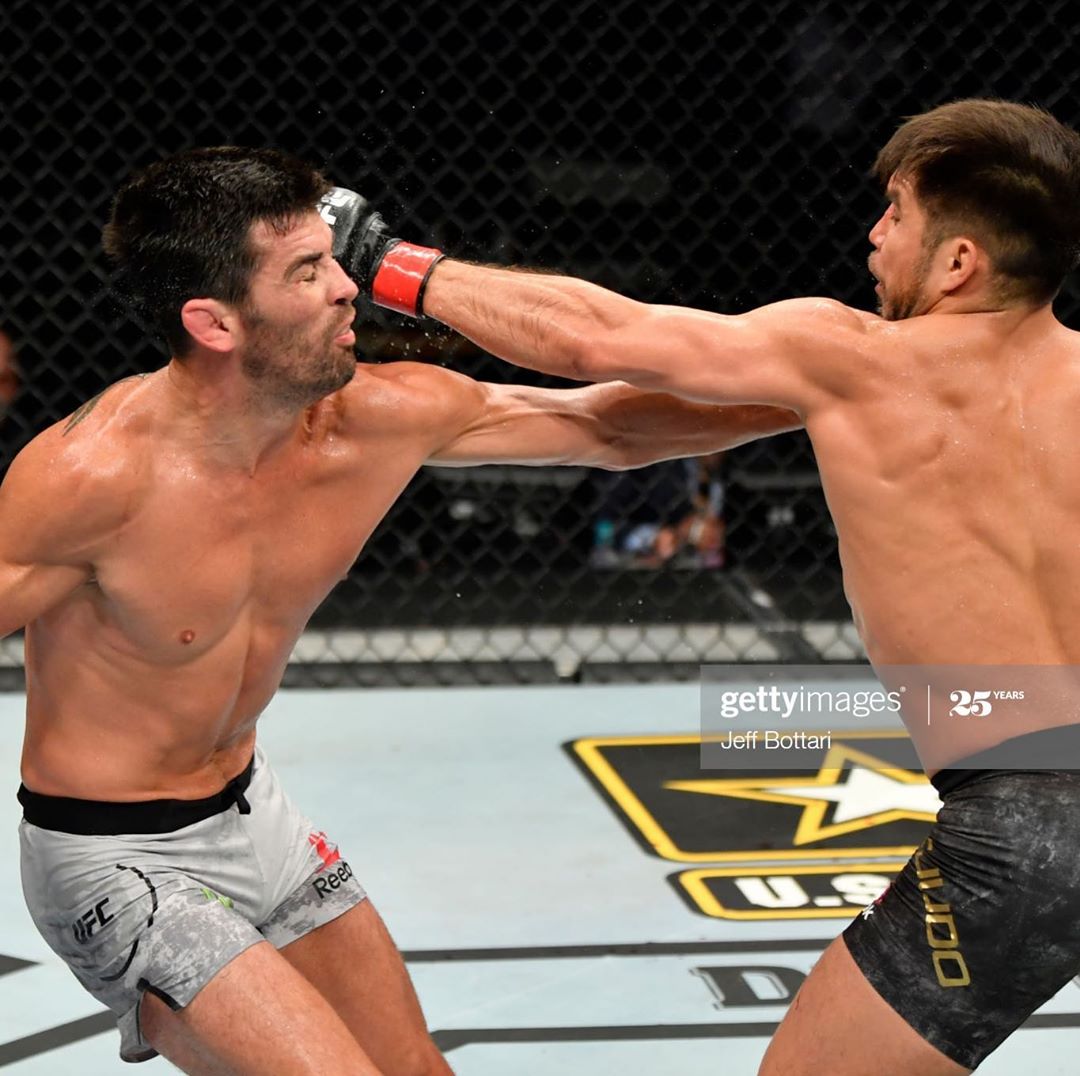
<point x="944" y="429"/>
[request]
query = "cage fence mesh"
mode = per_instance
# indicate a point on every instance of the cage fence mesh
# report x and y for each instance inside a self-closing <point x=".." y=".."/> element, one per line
<point x="692" y="153"/>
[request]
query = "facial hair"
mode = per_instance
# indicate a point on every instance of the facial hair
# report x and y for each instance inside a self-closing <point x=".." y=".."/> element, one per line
<point x="288" y="368"/>
<point x="901" y="301"/>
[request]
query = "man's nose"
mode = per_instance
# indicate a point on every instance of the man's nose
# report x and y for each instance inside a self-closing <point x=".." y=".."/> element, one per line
<point x="347" y="289"/>
<point x="877" y="232"/>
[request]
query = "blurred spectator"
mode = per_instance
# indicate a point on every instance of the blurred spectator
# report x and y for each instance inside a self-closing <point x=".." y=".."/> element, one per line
<point x="9" y="374"/>
<point x="669" y="514"/>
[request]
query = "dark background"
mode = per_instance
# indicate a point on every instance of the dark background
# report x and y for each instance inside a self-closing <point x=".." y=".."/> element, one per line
<point x="696" y="153"/>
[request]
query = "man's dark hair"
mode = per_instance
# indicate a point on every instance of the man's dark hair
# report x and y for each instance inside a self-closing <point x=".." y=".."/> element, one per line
<point x="1008" y="175"/>
<point x="180" y="228"/>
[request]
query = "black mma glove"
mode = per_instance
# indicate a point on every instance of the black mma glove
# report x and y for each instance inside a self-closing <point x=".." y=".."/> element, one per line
<point x="394" y="273"/>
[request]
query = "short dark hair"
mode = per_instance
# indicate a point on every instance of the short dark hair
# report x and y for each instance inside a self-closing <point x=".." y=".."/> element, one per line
<point x="1006" y="174"/>
<point x="179" y="229"/>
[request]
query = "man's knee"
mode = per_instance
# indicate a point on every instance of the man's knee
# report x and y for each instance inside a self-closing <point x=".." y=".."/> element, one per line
<point x="419" y="1058"/>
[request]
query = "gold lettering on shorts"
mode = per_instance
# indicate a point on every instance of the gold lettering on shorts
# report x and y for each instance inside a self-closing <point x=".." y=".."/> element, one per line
<point x="941" y="933"/>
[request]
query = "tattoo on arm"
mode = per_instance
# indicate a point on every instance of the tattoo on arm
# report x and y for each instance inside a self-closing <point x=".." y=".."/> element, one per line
<point x="89" y="406"/>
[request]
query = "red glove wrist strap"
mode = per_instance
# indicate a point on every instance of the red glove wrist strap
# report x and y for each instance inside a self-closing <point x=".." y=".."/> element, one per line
<point x="401" y="277"/>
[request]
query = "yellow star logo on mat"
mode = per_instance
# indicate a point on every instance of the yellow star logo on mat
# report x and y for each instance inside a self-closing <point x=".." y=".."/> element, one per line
<point x="862" y="791"/>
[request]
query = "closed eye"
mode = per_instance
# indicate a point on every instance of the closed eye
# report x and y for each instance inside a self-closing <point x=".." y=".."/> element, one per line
<point x="309" y="261"/>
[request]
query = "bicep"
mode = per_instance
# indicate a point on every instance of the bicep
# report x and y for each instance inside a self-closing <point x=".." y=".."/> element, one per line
<point x="611" y="425"/>
<point x="27" y="591"/>
<point x="788" y="354"/>
<point x="525" y="425"/>
<point x="46" y="525"/>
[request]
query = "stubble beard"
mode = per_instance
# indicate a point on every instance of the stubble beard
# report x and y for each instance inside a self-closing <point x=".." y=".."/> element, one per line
<point x="904" y="301"/>
<point x="901" y="305"/>
<point x="289" y="370"/>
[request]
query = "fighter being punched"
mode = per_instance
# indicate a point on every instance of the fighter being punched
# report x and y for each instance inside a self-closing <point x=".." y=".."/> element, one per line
<point x="164" y="547"/>
<point x="944" y="430"/>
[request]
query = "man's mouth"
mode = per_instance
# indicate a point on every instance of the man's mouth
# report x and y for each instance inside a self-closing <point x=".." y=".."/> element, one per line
<point x="345" y="334"/>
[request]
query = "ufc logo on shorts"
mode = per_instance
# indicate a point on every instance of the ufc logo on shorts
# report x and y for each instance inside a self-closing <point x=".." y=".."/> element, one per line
<point x="83" y="927"/>
<point x="970" y="703"/>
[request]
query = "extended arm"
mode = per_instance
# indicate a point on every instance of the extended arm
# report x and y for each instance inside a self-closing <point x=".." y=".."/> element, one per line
<point x="613" y="426"/>
<point x="790" y="354"/>
<point x="796" y="354"/>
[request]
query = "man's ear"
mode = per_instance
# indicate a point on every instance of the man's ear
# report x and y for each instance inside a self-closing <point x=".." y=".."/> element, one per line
<point x="211" y="324"/>
<point x="960" y="258"/>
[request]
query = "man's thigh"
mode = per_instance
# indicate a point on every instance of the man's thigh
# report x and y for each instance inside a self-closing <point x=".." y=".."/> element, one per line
<point x="838" y="1024"/>
<point x="974" y="934"/>
<point x="355" y="965"/>
<point x="257" y="1015"/>
<point x="978" y="929"/>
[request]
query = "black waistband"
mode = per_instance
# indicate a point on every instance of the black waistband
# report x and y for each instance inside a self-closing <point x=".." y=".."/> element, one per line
<point x="1032" y="751"/>
<point x="96" y="818"/>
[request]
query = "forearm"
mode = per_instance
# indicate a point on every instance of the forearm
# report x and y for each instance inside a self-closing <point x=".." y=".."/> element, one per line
<point x="554" y="324"/>
<point x="639" y="427"/>
<point x="568" y="327"/>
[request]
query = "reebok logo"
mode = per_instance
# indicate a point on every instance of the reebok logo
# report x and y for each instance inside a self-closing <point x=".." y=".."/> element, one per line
<point x="332" y="880"/>
<point x="326" y="851"/>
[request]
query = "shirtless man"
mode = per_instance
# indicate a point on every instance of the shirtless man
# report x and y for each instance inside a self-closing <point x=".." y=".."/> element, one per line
<point x="945" y="434"/>
<point x="164" y="548"/>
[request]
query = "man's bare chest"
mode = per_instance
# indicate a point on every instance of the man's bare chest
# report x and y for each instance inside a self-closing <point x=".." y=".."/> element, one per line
<point x="197" y="560"/>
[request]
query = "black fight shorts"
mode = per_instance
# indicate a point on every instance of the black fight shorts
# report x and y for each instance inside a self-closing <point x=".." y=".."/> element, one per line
<point x="981" y="926"/>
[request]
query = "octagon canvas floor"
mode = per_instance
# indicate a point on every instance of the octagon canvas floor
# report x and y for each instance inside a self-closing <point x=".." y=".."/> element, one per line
<point x="564" y="905"/>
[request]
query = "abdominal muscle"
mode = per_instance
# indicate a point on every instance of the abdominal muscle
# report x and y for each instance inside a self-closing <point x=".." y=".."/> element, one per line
<point x="106" y="724"/>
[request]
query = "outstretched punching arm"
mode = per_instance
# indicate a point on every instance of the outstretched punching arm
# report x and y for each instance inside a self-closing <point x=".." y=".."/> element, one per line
<point x="613" y="426"/>
<point x="796" y="354"/>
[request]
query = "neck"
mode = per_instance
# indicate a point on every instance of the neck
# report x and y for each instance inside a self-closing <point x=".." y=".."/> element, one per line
<point x="221" y="416"/>
<point x="981" y="302"/>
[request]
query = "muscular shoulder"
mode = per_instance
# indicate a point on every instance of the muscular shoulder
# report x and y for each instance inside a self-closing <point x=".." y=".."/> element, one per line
<point x="830" y="343"/>
<point x="400" y="398"/>
<point x="72" y="485"/>
<point x="826" y="320"/>
<point x="105" y="436"/>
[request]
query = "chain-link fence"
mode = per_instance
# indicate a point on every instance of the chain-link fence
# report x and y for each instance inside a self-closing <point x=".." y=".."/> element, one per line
<point x="697" y="153"/>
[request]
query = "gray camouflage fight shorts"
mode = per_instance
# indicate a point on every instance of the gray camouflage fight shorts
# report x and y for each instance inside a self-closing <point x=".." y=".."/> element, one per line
<point x="165" y="911"/>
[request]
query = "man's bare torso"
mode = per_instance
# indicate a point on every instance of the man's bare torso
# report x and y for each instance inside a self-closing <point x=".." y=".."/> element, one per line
<point x="147" y="681"/>
<point x="949" y="465"/>
<point x="952" y="471"/>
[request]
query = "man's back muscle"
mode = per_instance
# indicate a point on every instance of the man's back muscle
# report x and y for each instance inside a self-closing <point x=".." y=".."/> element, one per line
<point x="952" y="475"/>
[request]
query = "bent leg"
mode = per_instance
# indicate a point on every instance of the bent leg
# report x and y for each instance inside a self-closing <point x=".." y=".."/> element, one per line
<point x="840" y="1025"/>
<point x="257" y="1015"/>
<point x="359" y="971"/>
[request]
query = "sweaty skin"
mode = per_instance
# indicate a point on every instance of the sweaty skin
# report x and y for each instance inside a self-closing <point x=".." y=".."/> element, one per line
<point x="944" y="433"/>
<point x="165" y="558"/>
